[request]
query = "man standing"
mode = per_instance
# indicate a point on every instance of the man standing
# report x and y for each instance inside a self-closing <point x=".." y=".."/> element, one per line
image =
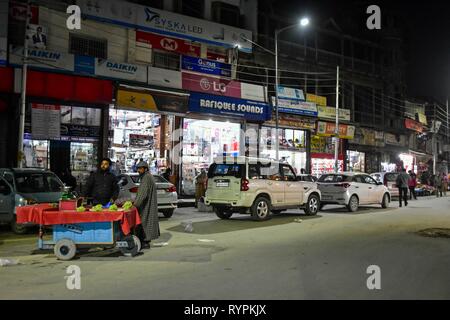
<point x="102" y="185"/>
<point x="402" y="185"/>
<point x="412" y="183"/>
<point x="147" y="205"/>
<point x="438" y="184"/>
<point x="200" y="186"/>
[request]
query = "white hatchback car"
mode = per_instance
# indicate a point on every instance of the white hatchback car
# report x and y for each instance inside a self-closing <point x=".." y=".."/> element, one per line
<point x="352" y="189"/>
<point x="257" y="186"/>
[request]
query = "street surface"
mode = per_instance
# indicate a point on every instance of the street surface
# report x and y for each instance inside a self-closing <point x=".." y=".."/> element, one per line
<point x="321" y="257"/>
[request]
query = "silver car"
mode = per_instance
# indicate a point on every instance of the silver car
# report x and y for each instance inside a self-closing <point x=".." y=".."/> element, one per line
<point x="389" y="180"/>
<point x="166" y="192"/>
<point x="352" y="189"/>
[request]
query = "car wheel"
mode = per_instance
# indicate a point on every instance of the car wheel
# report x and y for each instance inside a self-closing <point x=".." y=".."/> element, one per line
<point x="65" y="249"/>
<point x="353" y="204"/>
<point x="168" y="213"/>
<point x="222" y="213"/>
<point x="313" y="205"/>
<point x="18" y="228"/>
<point x="261" y="209"/>
<point x="385" y="202"/>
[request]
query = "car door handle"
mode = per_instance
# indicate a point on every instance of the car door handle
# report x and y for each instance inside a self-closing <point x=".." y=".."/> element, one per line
<point x="370" y="187"/>
<point x="357" y="187"/>
<point x="305" y="188"/>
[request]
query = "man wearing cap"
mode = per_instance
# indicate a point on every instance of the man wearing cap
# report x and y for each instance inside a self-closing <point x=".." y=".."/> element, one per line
<point x="102" y="185"/>
<point x="147" y="205"/>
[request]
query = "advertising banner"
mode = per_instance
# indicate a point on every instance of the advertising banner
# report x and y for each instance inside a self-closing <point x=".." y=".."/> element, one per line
<point x="43" y="59"/>
<point x="330" y="113"/>
<point x="328" y="128"/>
<point x="206" y="66"/>
<point x="45" y="121"/>
<point x="18" y="12"/>
<point x="211" y="85"/>
<point x="226" y="106"/>
<point x="126" y="71"/>
<point x="84" y="65"/>
<point x="253" y="92"/>
<point x="413" y="125"/>
<point x="393" y="139"/>
<point x="164" y="78"/>
<point x="152" y="101"/>
<point x="296" y="107"/>
<point x="145" y="18"/>
<point x="156" y="41"/>
<point x="293" y="122"/>
<point x="422" y="118"/>
<point x="290" y="93"/>
<point x="37" y="37"/>
<point x="319" y="100"/>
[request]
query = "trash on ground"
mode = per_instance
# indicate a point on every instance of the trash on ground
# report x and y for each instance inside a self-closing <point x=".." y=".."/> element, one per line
<point x="298" y="220"/>
<point x="160" y="244"/>
<point x="8" y="262"/>
<point x="205" y="240"/>
<point x="187" y="226"/>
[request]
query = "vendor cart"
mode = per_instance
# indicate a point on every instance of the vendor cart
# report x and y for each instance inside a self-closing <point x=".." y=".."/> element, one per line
<point x="77" y="231"/>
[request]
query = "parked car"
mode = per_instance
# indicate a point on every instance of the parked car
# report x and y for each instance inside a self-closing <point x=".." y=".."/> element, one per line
<point x="352" y="189"/>
<point x="259" y="187"/>
<point x="19" y="187"/>
<point x="388" y="179"/>
<point x="166" y="192"/>
<point x="307" y="177"/>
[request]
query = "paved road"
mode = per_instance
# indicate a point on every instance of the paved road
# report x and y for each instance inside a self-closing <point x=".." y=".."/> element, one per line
<point x="322" y="257"/>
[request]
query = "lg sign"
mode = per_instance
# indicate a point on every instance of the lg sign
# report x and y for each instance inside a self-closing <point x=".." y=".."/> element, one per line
<point x="205" y="84"/>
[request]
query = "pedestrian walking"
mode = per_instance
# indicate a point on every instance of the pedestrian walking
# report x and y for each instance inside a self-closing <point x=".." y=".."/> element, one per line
<point x="444" y="184"/>
<point x="147" y="204"/>
<point x="102" y="185"/>
<point x="402" y="185"/>
<point x="412" y="183"/>
<point x="438" y="185"/>
<point x="200" y="186"/>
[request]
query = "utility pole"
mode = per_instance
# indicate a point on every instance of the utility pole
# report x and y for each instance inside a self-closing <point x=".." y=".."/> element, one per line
<point x="336" y="130"/>
<point x="23" y="98"/>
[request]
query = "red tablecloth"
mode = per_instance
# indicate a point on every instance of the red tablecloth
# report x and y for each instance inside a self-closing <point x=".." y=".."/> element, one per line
<point x="45" y="214"/>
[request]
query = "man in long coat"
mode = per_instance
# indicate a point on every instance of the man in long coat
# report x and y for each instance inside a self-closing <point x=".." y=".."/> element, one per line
<point x="147" y="205"/>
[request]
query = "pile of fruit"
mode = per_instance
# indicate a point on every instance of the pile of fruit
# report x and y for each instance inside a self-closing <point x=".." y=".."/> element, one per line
<point x="97" y="208"/>
<point x="113" y="207"/>
<point x="127" y="205"/>
<point x="81" y="209"/>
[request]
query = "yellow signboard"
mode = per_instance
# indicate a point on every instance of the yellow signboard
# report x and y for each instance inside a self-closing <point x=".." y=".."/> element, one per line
<point x="135" y="100"/>
<point x="422" y="118"/>
<point x="319" y="100"/>
<point x="330" y="113"/>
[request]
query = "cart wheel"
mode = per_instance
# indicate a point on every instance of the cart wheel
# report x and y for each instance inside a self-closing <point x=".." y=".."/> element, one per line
<point x="65" y="249"/>
<point x="134" y="246"/>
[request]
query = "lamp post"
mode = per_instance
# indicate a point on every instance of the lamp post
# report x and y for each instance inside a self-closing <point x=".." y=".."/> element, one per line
<point x="303" y="23"/>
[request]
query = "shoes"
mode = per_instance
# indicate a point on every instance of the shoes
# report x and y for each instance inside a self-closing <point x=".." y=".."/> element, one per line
<point x="145" y="245"/>
<point x="406" y="204"/>
<point x="400" y="205"/>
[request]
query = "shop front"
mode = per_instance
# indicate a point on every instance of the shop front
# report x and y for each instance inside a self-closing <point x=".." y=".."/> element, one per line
<point x="395" y="154"/>
<point x="364" y="151"/>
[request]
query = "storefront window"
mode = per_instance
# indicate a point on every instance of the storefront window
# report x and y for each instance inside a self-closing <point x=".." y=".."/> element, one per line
<point x="356" y="161"/>
<point x="203" y="140"/>
<point x="36" y="153"/>
<point x="83" y="160"/>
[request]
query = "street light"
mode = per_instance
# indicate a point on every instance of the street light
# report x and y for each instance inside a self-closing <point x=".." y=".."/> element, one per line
<point x="303" y="23"/>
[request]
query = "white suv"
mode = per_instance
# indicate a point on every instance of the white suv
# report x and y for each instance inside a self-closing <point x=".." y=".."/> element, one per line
<point x="257" y="186"/>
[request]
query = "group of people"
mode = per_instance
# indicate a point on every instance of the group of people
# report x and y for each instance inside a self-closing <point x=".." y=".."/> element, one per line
<point x="102" y="187"/>
<point x="408" y="180"/>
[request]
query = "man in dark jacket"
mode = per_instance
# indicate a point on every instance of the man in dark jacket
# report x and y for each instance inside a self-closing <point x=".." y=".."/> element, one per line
<point x="402" y="185"/>
<point x="102" y="185"/>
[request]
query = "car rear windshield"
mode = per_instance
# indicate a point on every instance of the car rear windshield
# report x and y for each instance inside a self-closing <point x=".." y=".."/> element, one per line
<point x="230" y="170"/>
<point x="391" y="176"/>
<point x="335" y="178"/>
<point x="27" y="182"/>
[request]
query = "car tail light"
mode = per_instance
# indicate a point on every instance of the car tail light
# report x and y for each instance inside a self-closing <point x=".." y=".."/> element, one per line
<point x="345" y="185"/>
<point x="134" y="190"/>
<point x="244" y="185"/>
<point x="172" y="189"/>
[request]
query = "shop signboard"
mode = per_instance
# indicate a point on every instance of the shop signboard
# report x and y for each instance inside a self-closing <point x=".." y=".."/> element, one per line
<point x="152" y="101"/>
<point x="141" y="140"/>
<point x="120" y="70"/>
<point x="328" y="128"/>
<point x="45" y="121"/>
<point x="74" y="130"/>
<point x="319" y="100"/>
<point x="227" y="106"/>
<point x="84" y="65"/>
<point x="413" y="125"/>
<point x="164" y="78"/>
<point x="296" y="107"/>
<point x="330" y="113"/>
<point x="160" y="42"/>
<point x="253" y="92"/>
<point x="211" y="85"/>
<point x="369" y="137"/>
<point x="37" y="36"/>
<point x="135" y="16"/>
<point x="392" y="139"/>
<point x="422" y="118"/>
<point x="290" y="93"/>
<point x="18" y="12"/>
<point x="43" y="59"/>
<point x="291" y="121"/>
<point x="206" y="66"/>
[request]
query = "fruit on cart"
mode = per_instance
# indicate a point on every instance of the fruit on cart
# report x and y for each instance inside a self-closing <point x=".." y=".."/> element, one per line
<point x="81" y="209"/>
<point x="113" y="207"/>
<point x="127" y="205"/>
<point x="97" y="208"/>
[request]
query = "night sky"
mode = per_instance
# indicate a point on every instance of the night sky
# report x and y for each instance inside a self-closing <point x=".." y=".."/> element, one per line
<point x="426" y="27"/>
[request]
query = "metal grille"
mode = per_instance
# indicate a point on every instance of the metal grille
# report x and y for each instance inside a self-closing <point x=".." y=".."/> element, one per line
<point x="166" y="60"/>
<point x="87" y="46"/>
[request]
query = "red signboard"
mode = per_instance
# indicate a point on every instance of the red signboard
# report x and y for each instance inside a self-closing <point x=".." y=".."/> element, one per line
<point x="18" y="12"/>
<point x="211" y="85"/>
<point x="168" y="43"/>
<point x="413" y="125"/>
